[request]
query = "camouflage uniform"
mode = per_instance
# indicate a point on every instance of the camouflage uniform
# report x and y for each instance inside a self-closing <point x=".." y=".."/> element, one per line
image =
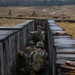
<point x="30" y="48"/>
<point x="37" y="59"/>
<point x="25" y="54"/>
<point x="39" y="34"/>
<point x="24" y="67"/>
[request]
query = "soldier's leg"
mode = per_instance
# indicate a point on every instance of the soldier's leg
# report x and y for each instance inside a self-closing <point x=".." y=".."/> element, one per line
<point x="32" y="72"/>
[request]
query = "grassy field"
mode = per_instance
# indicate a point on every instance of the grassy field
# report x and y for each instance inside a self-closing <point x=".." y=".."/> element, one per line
<point x="69" y="27"/>
<point x="10" y="22"/>
<point x="41" y="12"/>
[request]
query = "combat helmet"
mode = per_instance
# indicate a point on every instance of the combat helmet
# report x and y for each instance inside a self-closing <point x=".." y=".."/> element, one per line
<point x="31" y="43"/>
<point x="40" y="44"/>
<point x="39" y="26"/>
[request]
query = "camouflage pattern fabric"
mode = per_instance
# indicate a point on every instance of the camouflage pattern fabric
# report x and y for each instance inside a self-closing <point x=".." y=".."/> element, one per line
<point x="29" y="49"/>
<point x="40" y="35"/>
<point x="25" y="54"/>
<point x="37" y="59"/>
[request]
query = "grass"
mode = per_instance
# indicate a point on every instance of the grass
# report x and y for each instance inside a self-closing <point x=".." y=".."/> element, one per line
<point x="41" y="11"/>
<point x="69" y="27"/>
<point x="10" y="22"/>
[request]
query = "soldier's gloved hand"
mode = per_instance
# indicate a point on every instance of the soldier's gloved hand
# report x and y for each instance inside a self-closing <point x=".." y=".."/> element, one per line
<point x="20" y="52"/>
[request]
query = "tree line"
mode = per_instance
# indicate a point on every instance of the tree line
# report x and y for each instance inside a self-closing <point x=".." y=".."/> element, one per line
<point x="36" y="2"/>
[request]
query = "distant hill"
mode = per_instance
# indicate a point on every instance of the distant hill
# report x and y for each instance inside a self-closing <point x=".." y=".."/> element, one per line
<point x="36" y="2"/>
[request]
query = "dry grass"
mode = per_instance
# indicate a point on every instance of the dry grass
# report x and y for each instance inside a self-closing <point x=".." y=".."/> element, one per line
<point x="10" y="22"/>
<point x="41" y="11"/>
<point x="69" y="27"/>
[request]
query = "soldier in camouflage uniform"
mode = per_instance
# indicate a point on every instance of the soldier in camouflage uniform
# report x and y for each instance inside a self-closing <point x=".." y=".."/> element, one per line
<point x="38" y="59"/>
<point x="25" y="55"/>
<point x="39" y="34"/>
<point x="30" y="48"/>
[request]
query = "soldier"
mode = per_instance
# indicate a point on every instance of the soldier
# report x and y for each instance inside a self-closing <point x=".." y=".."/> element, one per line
<point x="25" y="55"/>
<point x="38" y="59"/>
<point x="30" y="48"/>
<point x="39" y="34"/>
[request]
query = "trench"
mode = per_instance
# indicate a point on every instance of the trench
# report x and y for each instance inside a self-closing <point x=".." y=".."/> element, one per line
<point x="17" y="38"/>
<point x="21" y="59"/>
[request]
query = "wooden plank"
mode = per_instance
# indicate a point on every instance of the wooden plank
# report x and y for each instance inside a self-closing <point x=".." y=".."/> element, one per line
<point x="65" y="62"/>
<point x="52" y="24"/>
<point x="56" y="29"/>
<point x="6" y="33"/>
<point x="66" y="56"/>
<point x="51" y="21"/>
<point x="70" y="63"/>
<point x="65" y="52"/>
<point x="64" y="40"/>
<point x="60" y="61"/>
<point x="2" y="37"/>
<point x="18" y="26"/>
<point x="65" y="49"/>
<point x="62" y="36"/>
<point x="2" y="59"/>
<point x="12" y="40"/>
<point x="67" y="67"/>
